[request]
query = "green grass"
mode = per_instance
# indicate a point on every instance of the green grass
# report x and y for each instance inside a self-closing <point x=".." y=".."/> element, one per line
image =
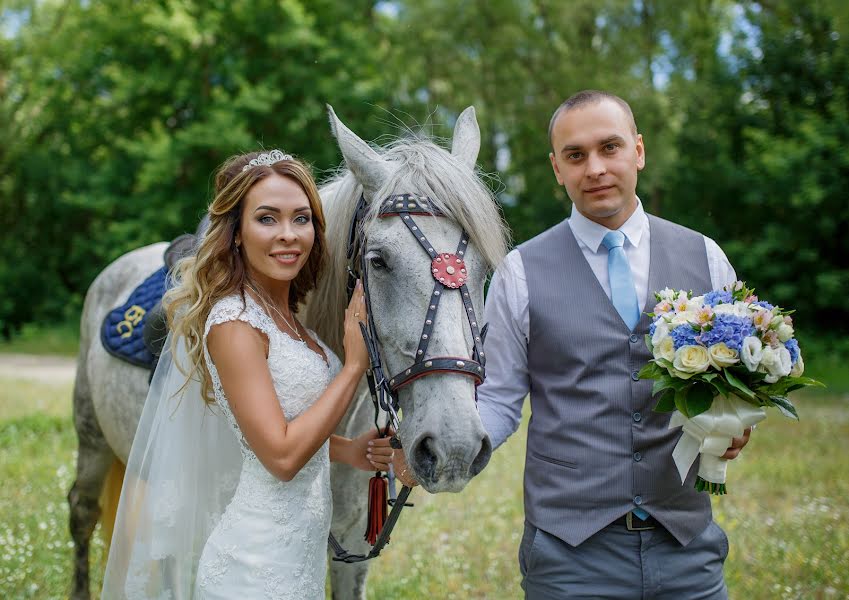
<point x="786" y="513"/>
<point x="61" y="338"/>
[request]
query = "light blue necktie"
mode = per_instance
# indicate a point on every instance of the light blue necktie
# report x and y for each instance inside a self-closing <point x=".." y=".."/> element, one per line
<point x="622" y="293"/>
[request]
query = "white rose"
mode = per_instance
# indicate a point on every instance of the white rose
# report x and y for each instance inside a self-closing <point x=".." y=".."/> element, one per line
<point x="776" y="362"/>
<point x="785" y="332"/>
<point x="722" y="356"/>
<point x="681" y="318"/>
<point x="661" y="330"/>
<point x="725" y="309"/>
<point x="798" y="368"/>
<point x="667" y="294"/>
<point x="785" y="361"/>
<point x="751" y="353"/>
<point x="691" y="359"/>
<point x="665" y="349"/>
<point x="694" y="304"/>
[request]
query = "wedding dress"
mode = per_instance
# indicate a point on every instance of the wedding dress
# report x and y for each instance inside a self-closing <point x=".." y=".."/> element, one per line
<point x="271" y="541"/>
<point x="199" y="515"/>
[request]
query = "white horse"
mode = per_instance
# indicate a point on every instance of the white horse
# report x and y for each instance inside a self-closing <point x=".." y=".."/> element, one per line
<point x="440" y="430"/>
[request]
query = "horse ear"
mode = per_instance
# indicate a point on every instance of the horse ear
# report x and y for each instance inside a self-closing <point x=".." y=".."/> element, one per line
<point x="467" y="138"/>
<point x="367" y="166"/>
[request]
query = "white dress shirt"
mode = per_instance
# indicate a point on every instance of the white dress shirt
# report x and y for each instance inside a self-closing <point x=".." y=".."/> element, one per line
<point x="502" y="394"/>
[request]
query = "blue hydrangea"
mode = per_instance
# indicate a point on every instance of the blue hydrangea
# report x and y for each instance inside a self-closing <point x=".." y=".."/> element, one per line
<point x="684" y="335"/>
<point x="793" y="348"/>
<point x="763" y="304"/>
<point x="718" y="297"/>
<point x="730" y="329"/>
<point x="652" y="328"/>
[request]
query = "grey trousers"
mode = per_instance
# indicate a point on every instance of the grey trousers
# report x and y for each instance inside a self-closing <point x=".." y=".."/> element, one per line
<point x="622" y="564"/>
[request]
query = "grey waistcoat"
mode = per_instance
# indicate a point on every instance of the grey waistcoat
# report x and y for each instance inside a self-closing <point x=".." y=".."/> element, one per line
<point x="596" y="450"/>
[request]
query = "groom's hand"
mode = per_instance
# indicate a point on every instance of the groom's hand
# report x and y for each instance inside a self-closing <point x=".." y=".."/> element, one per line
<point x="737" y="444"/>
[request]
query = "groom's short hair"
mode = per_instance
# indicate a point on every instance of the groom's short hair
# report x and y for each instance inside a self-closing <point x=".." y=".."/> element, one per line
<point x="585" y="97"/>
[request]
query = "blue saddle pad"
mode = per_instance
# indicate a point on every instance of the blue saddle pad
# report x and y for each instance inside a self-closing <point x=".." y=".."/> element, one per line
<point x="121" y="333"/>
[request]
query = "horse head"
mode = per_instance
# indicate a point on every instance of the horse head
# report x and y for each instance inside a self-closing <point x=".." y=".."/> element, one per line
<point x="427" y="334"/>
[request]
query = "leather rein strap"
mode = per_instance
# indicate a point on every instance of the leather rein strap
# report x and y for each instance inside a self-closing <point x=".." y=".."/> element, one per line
<point x="449" y="273"/>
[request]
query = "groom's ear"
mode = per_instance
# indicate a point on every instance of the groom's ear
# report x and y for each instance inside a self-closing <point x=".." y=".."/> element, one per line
<point x="557" y="175"/>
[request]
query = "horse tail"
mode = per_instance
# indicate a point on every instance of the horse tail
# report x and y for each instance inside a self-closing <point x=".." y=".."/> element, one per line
<point x="109" y="496"/>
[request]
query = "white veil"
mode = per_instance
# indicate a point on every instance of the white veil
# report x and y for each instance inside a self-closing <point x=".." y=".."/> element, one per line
<point x="181" y="474"/>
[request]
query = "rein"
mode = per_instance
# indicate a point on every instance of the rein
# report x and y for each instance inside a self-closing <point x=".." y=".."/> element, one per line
<point x="449" y="274"/>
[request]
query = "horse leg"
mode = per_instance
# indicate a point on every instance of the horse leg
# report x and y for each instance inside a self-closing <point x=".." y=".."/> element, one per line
<point x="94" y="459"/>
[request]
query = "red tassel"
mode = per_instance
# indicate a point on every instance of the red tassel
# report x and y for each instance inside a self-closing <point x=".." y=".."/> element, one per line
<point x="377" y="503"/>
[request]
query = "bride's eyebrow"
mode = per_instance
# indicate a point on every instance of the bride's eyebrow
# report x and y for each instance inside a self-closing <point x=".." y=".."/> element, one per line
<point x="266" y="207"/>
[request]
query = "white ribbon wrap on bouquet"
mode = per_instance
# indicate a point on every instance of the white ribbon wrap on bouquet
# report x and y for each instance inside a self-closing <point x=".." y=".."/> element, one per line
<point x="710" y="434"/>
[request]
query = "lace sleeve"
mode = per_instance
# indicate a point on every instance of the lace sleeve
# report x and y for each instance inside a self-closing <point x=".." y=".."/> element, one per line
<point x="232" y="308"/>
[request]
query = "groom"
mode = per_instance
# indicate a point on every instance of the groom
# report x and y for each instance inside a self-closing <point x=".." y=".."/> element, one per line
<point x="606" y="514"/>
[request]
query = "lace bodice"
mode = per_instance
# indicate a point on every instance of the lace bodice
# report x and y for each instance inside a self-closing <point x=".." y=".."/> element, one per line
<point x="271" y="541"/>
<point x="299" y="374"/>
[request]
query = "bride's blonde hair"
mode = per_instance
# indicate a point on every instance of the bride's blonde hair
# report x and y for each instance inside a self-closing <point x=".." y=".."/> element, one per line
<point x="218" y="269"/>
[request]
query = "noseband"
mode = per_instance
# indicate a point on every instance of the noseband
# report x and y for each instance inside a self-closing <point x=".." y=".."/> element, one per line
<point x="449" y="273"/>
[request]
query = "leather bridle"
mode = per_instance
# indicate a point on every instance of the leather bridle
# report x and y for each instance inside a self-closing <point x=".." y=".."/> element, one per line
<point x="450" y="274"/>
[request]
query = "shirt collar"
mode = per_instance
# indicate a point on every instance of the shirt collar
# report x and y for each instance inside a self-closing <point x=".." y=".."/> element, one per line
<point x="591" y="233"/>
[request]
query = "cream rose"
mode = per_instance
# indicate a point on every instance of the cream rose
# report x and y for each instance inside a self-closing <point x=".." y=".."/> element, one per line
<point x="751" y="353"/>
<point x="722" y="356"/>
<point x="785" y="332"/>
<point x="665" y="349"/>
<point x="691" y="359"/>
<point x="661" y="331"/>
<point x="799" y="368"/>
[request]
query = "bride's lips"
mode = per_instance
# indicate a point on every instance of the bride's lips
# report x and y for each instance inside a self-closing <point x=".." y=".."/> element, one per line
<point x="287" y="258"/>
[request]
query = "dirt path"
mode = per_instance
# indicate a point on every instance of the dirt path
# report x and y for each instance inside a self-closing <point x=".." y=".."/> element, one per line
<point x="46" y="369"/>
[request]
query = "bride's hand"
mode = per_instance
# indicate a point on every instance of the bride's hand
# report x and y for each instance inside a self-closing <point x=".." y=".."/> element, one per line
<point x="370" y="452"/>
<point x="356" y="356"/>
<point x="403" y="473"/>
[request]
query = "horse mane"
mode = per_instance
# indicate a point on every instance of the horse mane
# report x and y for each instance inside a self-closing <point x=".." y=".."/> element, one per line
<point x="423" y="168"/>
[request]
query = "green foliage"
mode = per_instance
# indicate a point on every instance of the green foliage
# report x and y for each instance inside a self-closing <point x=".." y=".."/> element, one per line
<point x="114" y="115"/>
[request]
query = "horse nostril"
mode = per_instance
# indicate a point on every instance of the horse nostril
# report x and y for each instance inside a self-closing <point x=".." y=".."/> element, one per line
<point x="424" y="457"/>
<point x="482" y="459"/>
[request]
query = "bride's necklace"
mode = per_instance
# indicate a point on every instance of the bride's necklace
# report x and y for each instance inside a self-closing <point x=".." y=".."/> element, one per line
<point x="277" y="310"/>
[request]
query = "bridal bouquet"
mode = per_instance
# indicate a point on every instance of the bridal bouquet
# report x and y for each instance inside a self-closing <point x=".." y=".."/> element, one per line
<point x="719" y="359"/>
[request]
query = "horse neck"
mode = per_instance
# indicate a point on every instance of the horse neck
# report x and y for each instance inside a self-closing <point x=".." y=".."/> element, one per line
<point x="325" y="307"/>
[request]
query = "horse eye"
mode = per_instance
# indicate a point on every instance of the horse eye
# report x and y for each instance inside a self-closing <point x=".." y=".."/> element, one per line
<point x="376" y="262"/>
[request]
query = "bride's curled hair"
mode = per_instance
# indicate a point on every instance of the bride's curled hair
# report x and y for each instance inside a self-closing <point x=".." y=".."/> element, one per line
<point x="218" y="270"/>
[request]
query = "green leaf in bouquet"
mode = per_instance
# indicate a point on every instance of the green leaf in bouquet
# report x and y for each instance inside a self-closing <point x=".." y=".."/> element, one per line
<point x="651" y="371"/>
<point x="667" y="381"/>
<point x="661" y="384"/>
<point x="666" y="404"/>
<point x="785" y="385"/>
<point x="785" y="406"/>
<point x="699" y="399"/>
<point x="664" y="363"/>
<point x="680" y="400"/>
<point x="738" y="385"/>
<point x="721" y="387"/>
<point x="649" y="345"/>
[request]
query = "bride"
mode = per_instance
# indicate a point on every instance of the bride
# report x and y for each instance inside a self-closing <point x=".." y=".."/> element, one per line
<point x="227" y="492"/>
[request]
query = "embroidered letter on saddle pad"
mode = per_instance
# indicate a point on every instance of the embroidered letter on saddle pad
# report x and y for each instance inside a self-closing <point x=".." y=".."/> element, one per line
<point x="121" y="333"/>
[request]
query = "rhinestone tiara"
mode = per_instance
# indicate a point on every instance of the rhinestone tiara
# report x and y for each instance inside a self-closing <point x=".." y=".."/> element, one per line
<point x="267" y="159"/>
